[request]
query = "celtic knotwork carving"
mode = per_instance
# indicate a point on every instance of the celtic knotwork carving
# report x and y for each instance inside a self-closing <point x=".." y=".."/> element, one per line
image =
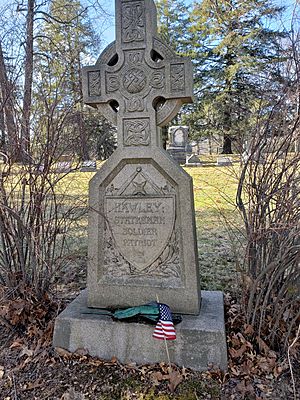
<point x="133" y="22"/>
<point x="94" y="83"/>
<point x="137" y="132"/>
<point x="135" y="104"/>
<point x="112" y="82"/>
<point x="133" y="74"/>
<point x="134" y="80"/>
<point x="135" y="57"/>
<point x="158" y="79"/>
<point x="177" y="77"/>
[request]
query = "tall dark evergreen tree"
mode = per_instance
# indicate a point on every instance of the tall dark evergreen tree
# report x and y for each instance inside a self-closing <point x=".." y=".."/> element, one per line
<point x="234" y="51"/>
<point x="173" y="27"/>
<point x="173" y="23"/>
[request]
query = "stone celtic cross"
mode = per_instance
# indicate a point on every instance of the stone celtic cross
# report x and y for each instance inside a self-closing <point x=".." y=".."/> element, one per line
<point x="135" y="74"/>
<point x="142" y="240"/>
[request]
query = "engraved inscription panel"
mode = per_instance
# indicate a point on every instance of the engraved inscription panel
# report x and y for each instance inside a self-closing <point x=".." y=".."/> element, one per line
<point x="177" y="77"/>
<point x="133" y="22"/>
<point x="141" y="234"/>
<point x="94" y="83"/>
<point x="140" y="225"/>
<point x="136" y="132"/>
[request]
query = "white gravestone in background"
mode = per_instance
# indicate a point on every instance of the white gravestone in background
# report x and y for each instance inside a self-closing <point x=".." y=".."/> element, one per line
<point x="178" y="146"/>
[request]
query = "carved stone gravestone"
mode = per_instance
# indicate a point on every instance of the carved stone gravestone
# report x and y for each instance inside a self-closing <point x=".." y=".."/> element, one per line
<point x="142" y="239"/>
<point x="178" y="146"/>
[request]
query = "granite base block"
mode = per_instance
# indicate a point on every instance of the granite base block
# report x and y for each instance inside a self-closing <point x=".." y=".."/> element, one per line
<point x="201" y="339"/>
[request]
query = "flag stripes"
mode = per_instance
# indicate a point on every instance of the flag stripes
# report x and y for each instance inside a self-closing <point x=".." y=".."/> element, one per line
<point x="164" y="328"/>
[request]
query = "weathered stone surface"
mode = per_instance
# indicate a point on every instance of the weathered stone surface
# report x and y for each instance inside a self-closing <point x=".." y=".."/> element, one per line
<point x="200" y="339"/>
<point x="142" y="240"/>
<point x="142" y="234"/>
<point x="142" y="237"/>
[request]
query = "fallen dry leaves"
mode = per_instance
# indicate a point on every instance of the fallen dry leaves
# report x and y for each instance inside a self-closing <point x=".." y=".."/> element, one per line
<point x="254" y="369"/>
<point x="173" y="377"/>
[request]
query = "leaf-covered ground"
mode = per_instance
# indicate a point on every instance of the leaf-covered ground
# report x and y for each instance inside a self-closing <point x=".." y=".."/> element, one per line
<point x="31" y="369"/>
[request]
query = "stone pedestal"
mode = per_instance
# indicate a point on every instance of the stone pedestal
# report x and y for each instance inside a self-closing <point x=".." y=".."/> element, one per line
<point x="200" y="342"/>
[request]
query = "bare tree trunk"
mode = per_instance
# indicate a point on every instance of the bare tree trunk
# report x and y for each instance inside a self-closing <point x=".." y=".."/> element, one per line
<point x="25" y="132"/>
<point x="83" y="134"/>
<point x="7" y="110"/>
<point x="227" y="148"/>
<point x="82" y="151"/>
<point x="2" y="124"/>
<point x="2" y="129"/>
<point x="227" y="123"/>
<point x="209" y="144"/>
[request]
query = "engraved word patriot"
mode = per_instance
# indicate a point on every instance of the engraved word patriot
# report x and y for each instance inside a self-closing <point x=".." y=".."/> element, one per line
<point x="139" y="197"/>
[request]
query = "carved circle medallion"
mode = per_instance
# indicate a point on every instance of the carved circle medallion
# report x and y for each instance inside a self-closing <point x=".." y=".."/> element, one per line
<point x="134" y="80"/>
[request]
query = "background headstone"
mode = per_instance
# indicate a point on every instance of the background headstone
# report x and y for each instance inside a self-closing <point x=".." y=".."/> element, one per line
<point x="64" y="164"/>
<point x="88" y="166"/>
<point x="178" y="146"/>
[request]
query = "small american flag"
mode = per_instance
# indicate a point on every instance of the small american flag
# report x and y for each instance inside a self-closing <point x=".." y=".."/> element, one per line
<point x="164" y="328"/>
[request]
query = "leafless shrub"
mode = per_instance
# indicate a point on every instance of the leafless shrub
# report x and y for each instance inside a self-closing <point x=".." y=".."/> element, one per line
<point x="36" y="210"/>
<point x="269" y="200"/>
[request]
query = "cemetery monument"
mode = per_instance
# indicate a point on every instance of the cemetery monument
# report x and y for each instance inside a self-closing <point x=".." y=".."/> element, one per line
<point x="142" y="238"/>
<point x="178" y="146"/>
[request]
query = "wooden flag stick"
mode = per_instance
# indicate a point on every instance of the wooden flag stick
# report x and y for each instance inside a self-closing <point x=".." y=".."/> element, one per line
<point x="166" y="345"/>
